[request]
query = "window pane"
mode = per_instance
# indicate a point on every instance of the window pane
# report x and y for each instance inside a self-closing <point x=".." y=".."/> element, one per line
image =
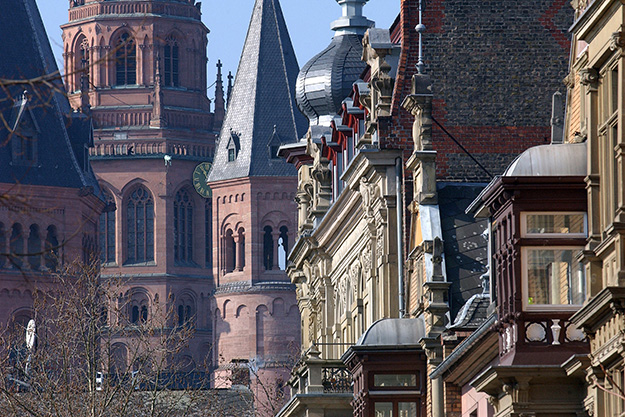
<point x="554" y="277"/>
<point x="407" y="410"/>
<point x="383" y="409"/>
<point x="556" y="223"/>
<point x="395" y="380"/>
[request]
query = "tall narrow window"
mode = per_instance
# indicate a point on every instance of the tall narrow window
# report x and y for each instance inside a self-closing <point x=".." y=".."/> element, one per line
<point x="107" y="232"/>
<point x="283" y="247"/>
<point x="608" y="137"/>
<point x="268" y="248"/>
<point x="208" y="232"/>
<point x="231" y="251"/>
<point x="183" y="227"/>
<point x="125" y="61"/>
<point x="51" y="255"/>
<point x="171" y="62"/>
<point x="17" y="244"/>
<point x="241" y="250"/>
<point x="82" y="62"/>
<point x="140" y="223"/>
<point x="34" y="247"/>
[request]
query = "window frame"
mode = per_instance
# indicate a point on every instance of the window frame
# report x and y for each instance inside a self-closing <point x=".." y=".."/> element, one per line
<point x="549" y="241"/>
<point x="525" y="234"/>
<point x="525" y="280"/>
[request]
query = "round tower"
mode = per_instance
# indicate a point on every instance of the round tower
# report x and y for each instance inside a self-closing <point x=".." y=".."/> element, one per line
<point x="138" y="68"/>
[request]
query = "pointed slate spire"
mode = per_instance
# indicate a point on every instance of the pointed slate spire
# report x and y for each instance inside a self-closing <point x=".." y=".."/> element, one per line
<point x="229" y="93"/>
<point x="263" y="96"/>
<point x="220" y="106"/>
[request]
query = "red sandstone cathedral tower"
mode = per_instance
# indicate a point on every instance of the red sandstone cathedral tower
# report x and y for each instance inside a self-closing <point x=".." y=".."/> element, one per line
<point x="255" y="313"/>
<point x="139" y="69"/>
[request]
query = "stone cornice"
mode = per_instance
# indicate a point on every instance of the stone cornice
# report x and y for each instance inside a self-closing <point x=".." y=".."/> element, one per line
<point x="601" y="308"/>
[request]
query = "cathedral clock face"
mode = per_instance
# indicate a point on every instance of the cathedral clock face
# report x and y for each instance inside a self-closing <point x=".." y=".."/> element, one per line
<point x="199" y="179"/>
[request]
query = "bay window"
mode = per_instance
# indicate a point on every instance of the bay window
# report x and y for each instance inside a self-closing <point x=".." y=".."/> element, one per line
<point x="553" y="277"/>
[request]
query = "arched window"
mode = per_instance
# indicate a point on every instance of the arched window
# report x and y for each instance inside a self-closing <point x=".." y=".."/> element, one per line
<point x="125" y="60"/>
<point x="82" y="61"/>
<point x="183" y="228"/>
<point x="241" y="250"/>
<point x="107" y="231"/>
<point x="138" y="307"/>
<point x="231" y="251"/>
<point x="186" y="310"/>
<point x="17" y="244"/>
<point x="171" y="62"/>
<point x="140" y="222"/>
<point x="134" y="315"/>
<point x="268" y="248"/>
<point x="283" y="247"/>
<point x="51" y="255"/>
<point x="34" y="247"/>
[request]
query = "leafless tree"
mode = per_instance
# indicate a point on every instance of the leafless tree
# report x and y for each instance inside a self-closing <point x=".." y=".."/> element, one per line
<point x="90" y="360"/>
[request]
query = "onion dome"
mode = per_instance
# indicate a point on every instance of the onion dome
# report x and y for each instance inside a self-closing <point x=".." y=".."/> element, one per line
<point x="325" y="80"/>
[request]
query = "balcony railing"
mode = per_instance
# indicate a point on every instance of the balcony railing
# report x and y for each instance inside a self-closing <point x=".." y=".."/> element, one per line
<point x="315" y="375"/>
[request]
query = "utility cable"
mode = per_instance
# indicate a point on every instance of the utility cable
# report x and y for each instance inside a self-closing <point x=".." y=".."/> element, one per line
<point x="463" y="148"/>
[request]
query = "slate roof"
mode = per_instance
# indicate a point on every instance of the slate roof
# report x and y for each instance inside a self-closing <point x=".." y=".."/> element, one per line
<point x="473" y="313"/>
<point x="263" y="99"/>
<point x="465" y="242"/>
<point x="60" y="136"/>
<point x="325" y="80"/>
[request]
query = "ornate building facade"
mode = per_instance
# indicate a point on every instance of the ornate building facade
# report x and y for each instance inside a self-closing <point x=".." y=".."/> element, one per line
<point x="138" y="68"/>
<point x="382" y="193"/>
<point x="596" y="116"/>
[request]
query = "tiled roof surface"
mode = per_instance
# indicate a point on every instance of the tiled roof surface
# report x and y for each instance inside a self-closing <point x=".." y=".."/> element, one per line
<point x="263" y="97"/>
<point x="60" y="137"/>
<point x="465" y="242"/>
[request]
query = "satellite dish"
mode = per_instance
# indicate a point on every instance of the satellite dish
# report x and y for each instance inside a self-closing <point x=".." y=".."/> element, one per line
<point x="31" y="335"/>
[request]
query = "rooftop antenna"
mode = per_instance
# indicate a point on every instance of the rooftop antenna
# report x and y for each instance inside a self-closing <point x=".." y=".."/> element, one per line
<point x="420" y="28"/>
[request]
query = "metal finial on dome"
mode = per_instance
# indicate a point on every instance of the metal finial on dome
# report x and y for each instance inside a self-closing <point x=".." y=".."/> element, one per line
<point x="352" y="20"/>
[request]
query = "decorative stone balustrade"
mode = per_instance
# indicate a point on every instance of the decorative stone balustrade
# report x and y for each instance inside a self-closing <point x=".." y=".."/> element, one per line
<point x="137" y="7"/>
<point x="149" y="147"/>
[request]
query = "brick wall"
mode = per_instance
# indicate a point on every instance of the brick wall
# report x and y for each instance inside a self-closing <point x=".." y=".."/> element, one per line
<point x="495" y="66"/>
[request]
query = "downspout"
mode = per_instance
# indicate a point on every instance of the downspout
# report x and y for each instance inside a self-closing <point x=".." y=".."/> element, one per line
<point x="438" y="397"/>
<point x="400" y="235"/>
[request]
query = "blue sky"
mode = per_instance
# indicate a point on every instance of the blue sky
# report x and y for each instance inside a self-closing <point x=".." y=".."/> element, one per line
<point x="308" y="22"/>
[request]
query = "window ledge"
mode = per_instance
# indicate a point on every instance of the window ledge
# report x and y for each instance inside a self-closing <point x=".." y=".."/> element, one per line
<point x="150" y="263"/>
